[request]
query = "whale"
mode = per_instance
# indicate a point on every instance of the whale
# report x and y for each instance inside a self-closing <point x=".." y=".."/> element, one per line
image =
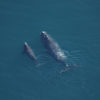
<point x="28" y="50"/>
<point x="54" y="49"/>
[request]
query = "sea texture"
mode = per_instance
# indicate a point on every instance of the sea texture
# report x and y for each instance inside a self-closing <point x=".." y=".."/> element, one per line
<point x="74" y="25"/>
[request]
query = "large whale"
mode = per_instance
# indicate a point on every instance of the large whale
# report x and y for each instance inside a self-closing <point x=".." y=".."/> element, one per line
<point x="29" y="51"/>
<point x="54" y="49"/>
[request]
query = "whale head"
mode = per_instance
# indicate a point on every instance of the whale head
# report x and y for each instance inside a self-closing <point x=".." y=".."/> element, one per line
<point x="44" y="35"/>
<point x="25" y="44"/>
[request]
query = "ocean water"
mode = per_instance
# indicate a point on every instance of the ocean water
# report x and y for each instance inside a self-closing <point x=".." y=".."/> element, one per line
<point x="74" y="24"/>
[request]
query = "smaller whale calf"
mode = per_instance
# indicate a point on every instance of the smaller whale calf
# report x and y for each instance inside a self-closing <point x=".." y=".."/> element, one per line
<point x="28" y="50"/>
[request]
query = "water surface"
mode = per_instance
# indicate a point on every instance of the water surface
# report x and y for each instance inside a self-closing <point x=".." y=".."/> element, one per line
<point x="75" y="25"/>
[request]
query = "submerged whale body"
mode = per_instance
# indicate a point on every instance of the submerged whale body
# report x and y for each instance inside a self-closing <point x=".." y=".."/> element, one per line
<point x="28" y="50"/>
<point x="53" y="48"/>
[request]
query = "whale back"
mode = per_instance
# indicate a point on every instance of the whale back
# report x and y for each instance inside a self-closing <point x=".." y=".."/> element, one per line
<point x="53" y="47"/>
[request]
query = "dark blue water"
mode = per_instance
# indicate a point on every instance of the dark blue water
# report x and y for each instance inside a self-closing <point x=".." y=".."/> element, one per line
<point x="74" y="24"/>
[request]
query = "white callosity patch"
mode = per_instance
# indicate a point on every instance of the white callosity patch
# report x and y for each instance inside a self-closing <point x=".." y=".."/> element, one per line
<point x="61" y="55"/>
